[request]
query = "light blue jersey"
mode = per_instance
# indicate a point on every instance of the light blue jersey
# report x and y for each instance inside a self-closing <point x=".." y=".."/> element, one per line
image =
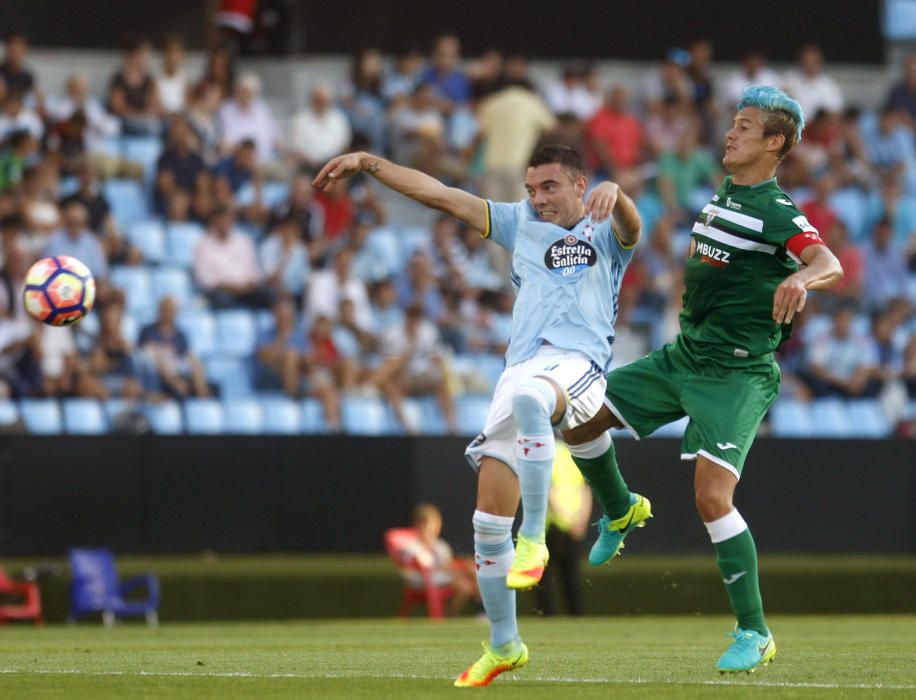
<point x="568" y="281"/>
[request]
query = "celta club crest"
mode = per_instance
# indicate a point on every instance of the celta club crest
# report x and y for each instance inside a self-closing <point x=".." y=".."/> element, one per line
<point x="587" y="231"/>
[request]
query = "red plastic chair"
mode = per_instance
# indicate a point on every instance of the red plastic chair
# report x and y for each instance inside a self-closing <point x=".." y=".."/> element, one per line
<point x="400" y="543"/>
<point x="29" y="609"/>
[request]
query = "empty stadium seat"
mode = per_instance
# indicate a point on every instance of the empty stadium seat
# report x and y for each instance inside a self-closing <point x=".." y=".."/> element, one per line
<point x="137" y="286"/>
<point x="673" y="430"/>
<point x="272" y="193"/>
<point x="471" y="413"/>
<point x="200" y="329"/>
<point x="144" y="150"/>
<point x="790" y="418"/>
<point x="148" y="236"/>
<point x="9" y="413"/>
<point x="236" y="333"/>
<point x="84" y="417"/>
<point x="867" y="419"/>
<point x="366" y="416"/>
<point x="172" y="281"/>
<point x="165" y="417"/>
<point x="127" y="200"/>
<point x="231" y="374"/>
<point x="41" y="416"/>
<point x="282" y="416"/>
<point x="830" y="418"/>
<point x="243" y="416"/>
<point x="203" y="416"/>
<point x="312" y="417"/>
<point x="180" y="241"/>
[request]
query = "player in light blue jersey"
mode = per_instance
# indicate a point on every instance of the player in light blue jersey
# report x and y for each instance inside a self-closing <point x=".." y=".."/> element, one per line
<point x="568" y="259"/>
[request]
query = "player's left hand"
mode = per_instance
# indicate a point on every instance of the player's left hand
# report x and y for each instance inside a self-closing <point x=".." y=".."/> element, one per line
<point x="789" y="299"/>
<point x="601" y="201"/>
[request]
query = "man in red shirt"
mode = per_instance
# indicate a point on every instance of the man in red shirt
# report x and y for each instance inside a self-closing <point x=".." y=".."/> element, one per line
<point x="614" y="135"/>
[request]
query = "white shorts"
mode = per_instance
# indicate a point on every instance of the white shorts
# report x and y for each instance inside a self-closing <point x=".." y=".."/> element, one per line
<point x="582" y="381"/>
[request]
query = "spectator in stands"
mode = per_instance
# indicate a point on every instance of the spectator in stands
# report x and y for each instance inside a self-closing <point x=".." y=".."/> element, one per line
<point x="451" y="86"/>
<point x="447" y="253"/>
<point x="511" y="120"/>
<point x="171" y="368"/>
<point x="111" y="361"/>
<point x="180" y="172"/>
<point x="247" y="116"/>
<point x="327" y="288"/>
<point x="889" y="346"/>
<point x="702" y="86"/>
<point x="132" y="95"/>
<point x="885" y="267"/>
<point x="660" y="267"/>
<point x="418" y="130"/>
<point x="173" y="84"/>
<point x="670" y="84"/>
<point x="20" y="337"/>
<point x="419" y="285"/>
<point x="13" y="70"/>
<point x="682" y="172"/>
<point x="818" y="209"/>
<point x="414" y="363"/>
<point x="667" y="124"/>
<point x="371" y="262"/>
<point x="400" y="83"/>
<point x="13" y="157"/>
<point x="338" y="211"/>
<point x="15" y="116"/>
<point x="902" y="95"/>
<point x="235" y="170"/>
<point x="226" y="265"/>
<point x="63" y="373"/>
<point x="329" y="371"/>
<point x="850" y="257"/>
<point x="842" y="362"/>
<point x="615" y="135"/>
<point x="909" y="367"/>
<point x="219" y="72"/>
<point x="483" y="268"/>
<point x="202" y="113"/>
<point x="38" y="200"/>
<point x="100" y="220"/>
<point x="575" y="92"/>
<point x="321" y="130"/>
<point x="362" y="99"/>
<point x="308" y="214"/>
<point x="76" y="240"/>
<point x="384" y="310"/>
<point x="807" y="83"/>
<point x="285" y="259"/>
<point x="753" y="70"/>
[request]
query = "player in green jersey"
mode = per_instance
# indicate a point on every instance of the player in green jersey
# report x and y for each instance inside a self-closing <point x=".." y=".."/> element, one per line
<point x="753" y="257"/>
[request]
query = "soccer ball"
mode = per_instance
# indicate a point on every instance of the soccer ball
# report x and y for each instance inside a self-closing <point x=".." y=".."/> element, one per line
<point x="59" y="291"/>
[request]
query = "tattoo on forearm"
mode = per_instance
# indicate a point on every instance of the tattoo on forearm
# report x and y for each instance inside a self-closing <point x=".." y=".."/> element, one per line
<point x="373" y="167"/>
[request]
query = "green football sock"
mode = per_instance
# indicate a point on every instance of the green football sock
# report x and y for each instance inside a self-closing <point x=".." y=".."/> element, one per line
<point x="737" y="560"/>
<point x="603" y="475"/>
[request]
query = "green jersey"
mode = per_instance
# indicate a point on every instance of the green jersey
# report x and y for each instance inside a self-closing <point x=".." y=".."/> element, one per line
<point x="745" y="242"/>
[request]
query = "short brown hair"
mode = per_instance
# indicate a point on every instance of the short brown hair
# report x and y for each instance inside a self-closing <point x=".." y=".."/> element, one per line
<point x="777" y="122"/>
<point x="566" y="156"/>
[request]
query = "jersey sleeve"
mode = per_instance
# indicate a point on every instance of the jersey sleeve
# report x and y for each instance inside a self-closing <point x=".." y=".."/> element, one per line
<point x="502" y="222"/>
<point x="791" y="230"/>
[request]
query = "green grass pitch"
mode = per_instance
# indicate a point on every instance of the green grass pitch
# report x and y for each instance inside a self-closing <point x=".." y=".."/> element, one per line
<point x="645" y="657"/>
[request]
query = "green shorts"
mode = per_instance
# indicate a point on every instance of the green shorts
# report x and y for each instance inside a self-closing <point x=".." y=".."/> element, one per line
<point x="726" y="398"/>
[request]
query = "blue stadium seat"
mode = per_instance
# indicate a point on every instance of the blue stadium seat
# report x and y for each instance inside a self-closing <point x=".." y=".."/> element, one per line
<point x="127" y="200"/>
<point x="851" y="206"/>
<point x="312" y="417"/>
<point x="232" y="375"/>
<point x="41" y="416"/>
<point x="9" y="413"/>
<point x="172" y="281"/>
<point x="144" y="150"/>
<point x="165" y="417"/>
<point x="203" y="416"/>
<point x="790" y="418"/>
<point x="282" y="416"/>
<point x="243" y="416"/>
<point x="425" y="415"/>
<point x="471" y="413"/>
<point x="131" y="325"/>
<point x="867" y="419"/>
<point x="673" y="430"/>
<point x="148" y="236"/>
<point x="366" y="416"/>
<point x="264" y="320"/>
<point x="386" y="243"/>
<point x="830" y="418"/>
<point x="488" y="366"/>
<point x="84" y="417"/>
<point x="413" y="239"/>
<point x="200" y="329"/>
<point x="272" y="193"/>
<point x="137" y="286"/>
<point x="236" y="333"/>
<point x="180" y="241"/>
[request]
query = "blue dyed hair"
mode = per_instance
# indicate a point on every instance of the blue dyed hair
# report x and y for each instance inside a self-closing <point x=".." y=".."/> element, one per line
<point x="779" y="105"/>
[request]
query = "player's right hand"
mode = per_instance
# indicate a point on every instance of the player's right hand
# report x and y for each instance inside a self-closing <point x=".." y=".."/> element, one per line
<point x="336" y="169"/>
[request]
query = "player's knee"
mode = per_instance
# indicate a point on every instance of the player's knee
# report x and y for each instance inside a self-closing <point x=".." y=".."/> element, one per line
<point x="712" y="503"/>
<point x="533" y="404"/>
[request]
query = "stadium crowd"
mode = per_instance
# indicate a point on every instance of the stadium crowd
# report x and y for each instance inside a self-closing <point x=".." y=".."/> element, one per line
<point x="190" y="200"/>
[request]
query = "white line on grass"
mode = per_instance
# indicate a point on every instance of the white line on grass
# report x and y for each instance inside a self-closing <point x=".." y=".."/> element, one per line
<point x="756" y="681"/>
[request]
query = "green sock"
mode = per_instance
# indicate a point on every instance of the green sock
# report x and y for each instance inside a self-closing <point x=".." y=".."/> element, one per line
<point x="737" y="560"/>
<point x="603" y="475"/>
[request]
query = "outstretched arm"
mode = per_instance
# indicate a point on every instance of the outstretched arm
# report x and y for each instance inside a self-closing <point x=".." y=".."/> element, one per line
<point x="412" y="183"/>
<point x="607" y="199"/>
<point x="821" y="271"/>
